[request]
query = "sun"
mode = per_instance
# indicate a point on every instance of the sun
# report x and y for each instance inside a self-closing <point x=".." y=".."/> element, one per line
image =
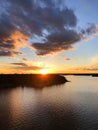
<point x="44" y="71"/>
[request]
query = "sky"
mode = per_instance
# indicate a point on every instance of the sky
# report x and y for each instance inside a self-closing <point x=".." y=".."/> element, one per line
<point x="58" y="36"/>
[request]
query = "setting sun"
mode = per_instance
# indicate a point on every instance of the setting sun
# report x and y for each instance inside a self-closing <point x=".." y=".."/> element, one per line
<point x="44" y="71"/>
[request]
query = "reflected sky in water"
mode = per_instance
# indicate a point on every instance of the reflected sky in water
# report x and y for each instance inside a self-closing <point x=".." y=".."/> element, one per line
<point x="71" y="106"/>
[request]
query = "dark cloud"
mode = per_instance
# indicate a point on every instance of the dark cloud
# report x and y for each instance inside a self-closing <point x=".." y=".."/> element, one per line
<point x="90" y="29"/>
<point x="67" y="59"/>
<point x="52" y="20"/>
<point x="57" y="41"/>
<point x="8" y="48"/>
<point x="24" y="66"/>
<point x="19" y="64"/>
<point x="50" y="48"/>
<point x="25" y="4"/>
<point x="63" y="40"/>
<point x="7" y="44"/>
<point x="9" y="53"/>
<point x="24" y="59"/>
<point x="5" y="53"/>
<point x="33" y="16"/>
<point x="31" y="68"/>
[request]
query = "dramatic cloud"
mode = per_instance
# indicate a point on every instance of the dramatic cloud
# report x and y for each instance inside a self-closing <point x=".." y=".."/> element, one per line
<point x="57" y="41"/>
<point x="64" y="39"/>
<point x="52" y="22"/>
<point x="9" y="48"/>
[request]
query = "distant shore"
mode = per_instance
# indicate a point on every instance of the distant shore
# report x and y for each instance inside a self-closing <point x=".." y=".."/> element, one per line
<point x="83" y="74"/>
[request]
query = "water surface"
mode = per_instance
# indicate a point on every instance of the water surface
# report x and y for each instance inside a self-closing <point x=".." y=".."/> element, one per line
<point x="71" y="106"/>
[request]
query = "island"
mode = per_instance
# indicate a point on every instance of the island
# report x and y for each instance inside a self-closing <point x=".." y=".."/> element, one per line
<point x="31" y="80"/>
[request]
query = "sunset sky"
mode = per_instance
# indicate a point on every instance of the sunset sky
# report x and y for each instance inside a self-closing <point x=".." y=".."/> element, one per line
<point x="59" y="36"/>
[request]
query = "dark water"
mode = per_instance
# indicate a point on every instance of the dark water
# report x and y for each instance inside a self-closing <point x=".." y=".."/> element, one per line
<point x="71" y="106"/>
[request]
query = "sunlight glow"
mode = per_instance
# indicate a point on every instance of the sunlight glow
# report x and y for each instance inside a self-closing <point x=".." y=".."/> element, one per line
<point x="44" y="71"/>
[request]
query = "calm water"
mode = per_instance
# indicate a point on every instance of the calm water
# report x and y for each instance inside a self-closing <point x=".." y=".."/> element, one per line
<point x="71" y="106"/>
